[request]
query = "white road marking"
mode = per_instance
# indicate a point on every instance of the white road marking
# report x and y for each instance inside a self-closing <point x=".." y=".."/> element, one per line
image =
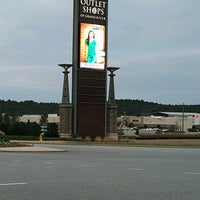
<point x="12" y="184"/>
<point x="87" y="166"/>
<point x="136" y="169"/>
<point x="192" y="173"/>
<point x="48" y="163"/>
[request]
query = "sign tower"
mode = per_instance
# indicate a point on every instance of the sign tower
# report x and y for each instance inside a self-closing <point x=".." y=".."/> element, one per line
<point x="89" y="68"/>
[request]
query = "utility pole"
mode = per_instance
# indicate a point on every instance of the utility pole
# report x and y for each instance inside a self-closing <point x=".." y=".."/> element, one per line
<point x="183" y="118"/>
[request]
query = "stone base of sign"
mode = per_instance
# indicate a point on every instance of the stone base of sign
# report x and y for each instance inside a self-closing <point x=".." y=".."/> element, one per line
<point x="111" y="119"/>
<point x="65" y="135"/>
<point x="65" y="120"/>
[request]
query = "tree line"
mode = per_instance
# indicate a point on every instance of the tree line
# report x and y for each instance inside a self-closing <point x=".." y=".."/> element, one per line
<point x="142" y="108"/>
<point x="15" y="108"/>
<point x="129" y="107"/>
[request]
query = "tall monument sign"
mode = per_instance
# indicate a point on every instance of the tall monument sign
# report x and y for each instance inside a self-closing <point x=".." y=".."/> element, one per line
<point x="89" y="68"/>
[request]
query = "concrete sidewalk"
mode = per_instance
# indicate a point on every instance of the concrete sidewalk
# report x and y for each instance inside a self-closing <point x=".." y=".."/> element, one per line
<point x="30" y="149"/>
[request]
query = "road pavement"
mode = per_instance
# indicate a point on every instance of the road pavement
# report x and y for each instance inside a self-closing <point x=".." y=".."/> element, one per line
<point x="101" y="173"/>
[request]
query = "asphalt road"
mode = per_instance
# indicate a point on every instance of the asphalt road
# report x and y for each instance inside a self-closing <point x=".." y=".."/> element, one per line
<point x="101" y="173"/>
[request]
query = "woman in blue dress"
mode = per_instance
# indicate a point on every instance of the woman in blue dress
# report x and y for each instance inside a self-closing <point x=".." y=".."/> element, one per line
<point x="91" y="43"/>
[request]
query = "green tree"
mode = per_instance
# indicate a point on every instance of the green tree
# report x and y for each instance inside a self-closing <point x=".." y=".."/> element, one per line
<point x="3" y="138"/>
<point x="33" y="129"/>
<point x="43" y="120"/>
<point x="52" y="130"/>
<point x="6" y="118"/>
<point x="18" y="128"/>
<point x="14" y="119"/>
<point x="5" y="128"/>
<point x="5" y="123"/>
<point x="1" y="118"/>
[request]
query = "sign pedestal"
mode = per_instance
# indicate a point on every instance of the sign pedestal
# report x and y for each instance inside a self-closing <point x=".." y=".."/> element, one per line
<point x="65" y="120"/>
<point x="112" y="134"/>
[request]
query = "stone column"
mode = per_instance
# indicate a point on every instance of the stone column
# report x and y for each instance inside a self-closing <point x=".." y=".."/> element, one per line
<point x="65" y="107"/>
<point x="112" y="108"/>
<point x="65" y="120"/>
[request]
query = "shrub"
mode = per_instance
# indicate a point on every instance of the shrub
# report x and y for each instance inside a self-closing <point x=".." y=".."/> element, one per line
<point x="3" y="138"/>
<point x="19" y="137"/>
<point x="98" y="139"/>
<point x="87" y="139"/>
<point x="4" y="127"/>
<point x="33" y="129"/>
<point x="52" y="130"/>
<point x="18" y="128"/>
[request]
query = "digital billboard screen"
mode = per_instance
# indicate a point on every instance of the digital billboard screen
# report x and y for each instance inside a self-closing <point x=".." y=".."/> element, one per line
<point x="92" y="34"/>
<point x="92" y="46"/>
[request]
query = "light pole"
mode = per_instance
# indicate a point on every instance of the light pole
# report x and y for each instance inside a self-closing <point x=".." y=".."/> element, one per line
<point x="112" y="108"/>
<point x="183" y="118"/>
<point x="111" y="96"/>
<point x="65" y="106"/>
<point x="65" y="93"/>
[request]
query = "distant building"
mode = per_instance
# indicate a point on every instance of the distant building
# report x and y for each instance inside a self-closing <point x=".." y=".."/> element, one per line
<point x="174" y="121"/>
<point x="52" y="118"/>
<point x="30" y="118"/>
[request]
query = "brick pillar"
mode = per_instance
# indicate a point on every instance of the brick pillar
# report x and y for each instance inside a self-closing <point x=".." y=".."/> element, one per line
<point x="65" y="120"/>
<point x="112" y="123"/>
<point x="111" y="119"/>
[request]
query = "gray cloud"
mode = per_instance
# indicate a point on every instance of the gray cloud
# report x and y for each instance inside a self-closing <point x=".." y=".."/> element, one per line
<point x="155" y="43"/>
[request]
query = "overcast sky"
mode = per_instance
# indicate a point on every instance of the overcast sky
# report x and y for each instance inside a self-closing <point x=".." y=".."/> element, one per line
<point x="156" y="44"/>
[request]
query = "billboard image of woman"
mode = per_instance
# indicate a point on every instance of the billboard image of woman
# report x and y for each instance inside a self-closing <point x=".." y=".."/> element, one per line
<point x="92" y="46"/>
